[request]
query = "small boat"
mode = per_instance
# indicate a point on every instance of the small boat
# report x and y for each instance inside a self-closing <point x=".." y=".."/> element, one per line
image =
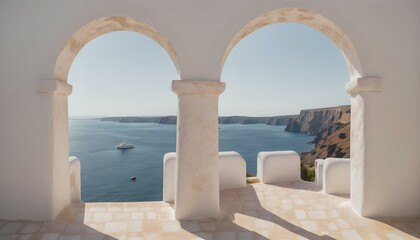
<point x="133" y="178"/>
<point x="124" y="145"/>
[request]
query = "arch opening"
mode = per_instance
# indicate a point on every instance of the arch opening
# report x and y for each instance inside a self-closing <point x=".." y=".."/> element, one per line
<point x="315" y="22"/>
<point x="306" y="17"/>
<point x="102" y="26"/>
<point x="158" y="48"/>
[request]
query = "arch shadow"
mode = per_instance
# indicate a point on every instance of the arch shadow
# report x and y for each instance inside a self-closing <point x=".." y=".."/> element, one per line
<point x="69" y="224"/>
<point x="246" y="205"/>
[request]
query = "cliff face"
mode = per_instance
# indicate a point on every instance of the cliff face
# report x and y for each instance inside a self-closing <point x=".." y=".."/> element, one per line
<point x="314" y="121"/>
<point x="337" y="144"/>
<point x="321" y="120"/>
<point x="332" y="129"/>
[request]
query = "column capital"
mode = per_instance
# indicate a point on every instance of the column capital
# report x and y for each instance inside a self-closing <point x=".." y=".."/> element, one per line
<point x="54" y="86"/>
<point x="182" y="87"/>
<point x="371" y="84"/>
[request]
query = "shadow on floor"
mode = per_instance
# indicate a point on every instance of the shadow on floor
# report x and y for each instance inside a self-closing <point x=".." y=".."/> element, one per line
<point x="308" y="186"/>
<point x="409" y="225"/>
<point x="69" y="224"/>
<point x="246" y="202"/>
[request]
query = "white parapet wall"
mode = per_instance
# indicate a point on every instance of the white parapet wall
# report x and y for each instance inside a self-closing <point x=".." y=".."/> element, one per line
<point x="74" y="179"/>
<point x="278" y="166"/>
<point x="232" y="173"/>
<point x="336" y="176"/>
<point x="169" y="168"/>
<point x="232" y="170"/>
<point x="319" y="171"/>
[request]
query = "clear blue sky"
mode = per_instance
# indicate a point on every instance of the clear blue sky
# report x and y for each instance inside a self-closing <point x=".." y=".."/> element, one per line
<point x="277" y="70"/>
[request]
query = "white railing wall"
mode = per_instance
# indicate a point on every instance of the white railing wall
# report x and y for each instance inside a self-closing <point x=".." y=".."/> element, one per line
<point x="74" y="179"/>
<point x="278" y="166"/>
<point x="336" y="176"/>
<point x="319" y="172"/>
<point x="232" y="173"/>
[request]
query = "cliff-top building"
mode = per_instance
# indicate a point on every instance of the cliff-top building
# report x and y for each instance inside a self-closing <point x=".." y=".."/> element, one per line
<point x="39" y="40"/>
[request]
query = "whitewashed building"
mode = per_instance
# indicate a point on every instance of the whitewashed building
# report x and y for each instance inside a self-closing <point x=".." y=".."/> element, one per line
<point x="379" y="40"/>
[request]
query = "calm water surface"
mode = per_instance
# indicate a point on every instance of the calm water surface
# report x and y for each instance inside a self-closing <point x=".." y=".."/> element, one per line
<point x="106" y="171"/>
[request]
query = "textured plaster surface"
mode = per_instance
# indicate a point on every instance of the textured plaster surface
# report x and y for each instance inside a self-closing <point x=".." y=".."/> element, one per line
<point x="182" y="87"/>
<point x="336" y="176"/>
<point x="75" y="180"/>
<point x="294" y="211"/>
<point x="278" y="166"/>
<point x="357" y="153"/>
<point x="197" y="149"/>
<point x="360" y="85"/>
<point x="60" y="154"/>
<point x="232" y="173"/>
<point x="99" y="27"/>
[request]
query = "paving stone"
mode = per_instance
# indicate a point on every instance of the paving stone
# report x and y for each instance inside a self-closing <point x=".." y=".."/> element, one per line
<point x="258" y="211"/>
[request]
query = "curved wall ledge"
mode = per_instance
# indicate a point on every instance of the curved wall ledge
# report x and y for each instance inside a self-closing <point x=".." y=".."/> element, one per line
<point x="181" y="87"/>
<point x="54" y="86"/>
<point x="373" y="84"/>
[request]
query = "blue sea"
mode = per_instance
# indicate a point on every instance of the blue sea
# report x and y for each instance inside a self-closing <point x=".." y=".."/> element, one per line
<point x="106" y="171"/>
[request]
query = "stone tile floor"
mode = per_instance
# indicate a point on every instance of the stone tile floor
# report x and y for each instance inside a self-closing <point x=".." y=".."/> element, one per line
<point x="258" y="211"/>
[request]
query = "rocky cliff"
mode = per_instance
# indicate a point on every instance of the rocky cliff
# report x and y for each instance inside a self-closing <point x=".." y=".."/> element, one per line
<point x="320" y="120"/>
<point x="331" y="126"/>
<point x="336" y="144"/>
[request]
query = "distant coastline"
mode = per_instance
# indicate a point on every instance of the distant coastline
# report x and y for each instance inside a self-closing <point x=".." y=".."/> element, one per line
<point x="275" y="120"/>
<point x="330" y="126"/>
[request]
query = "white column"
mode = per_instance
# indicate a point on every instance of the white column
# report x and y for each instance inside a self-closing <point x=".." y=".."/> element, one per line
<point x="197" y="147"/>
<point x="55" y="93"/>
<point x="363" y="115"/>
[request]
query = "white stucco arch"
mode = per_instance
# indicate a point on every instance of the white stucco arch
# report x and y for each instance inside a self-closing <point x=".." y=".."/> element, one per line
<point x="354" y="87"/>
<point x="55" y="92"/>
<point x="33" y="176"/>
<point x="308" y="18"/>
<point x="99" y="27"/>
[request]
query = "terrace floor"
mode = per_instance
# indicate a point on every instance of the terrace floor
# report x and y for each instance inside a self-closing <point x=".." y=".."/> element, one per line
<point x="259" y="211"/>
